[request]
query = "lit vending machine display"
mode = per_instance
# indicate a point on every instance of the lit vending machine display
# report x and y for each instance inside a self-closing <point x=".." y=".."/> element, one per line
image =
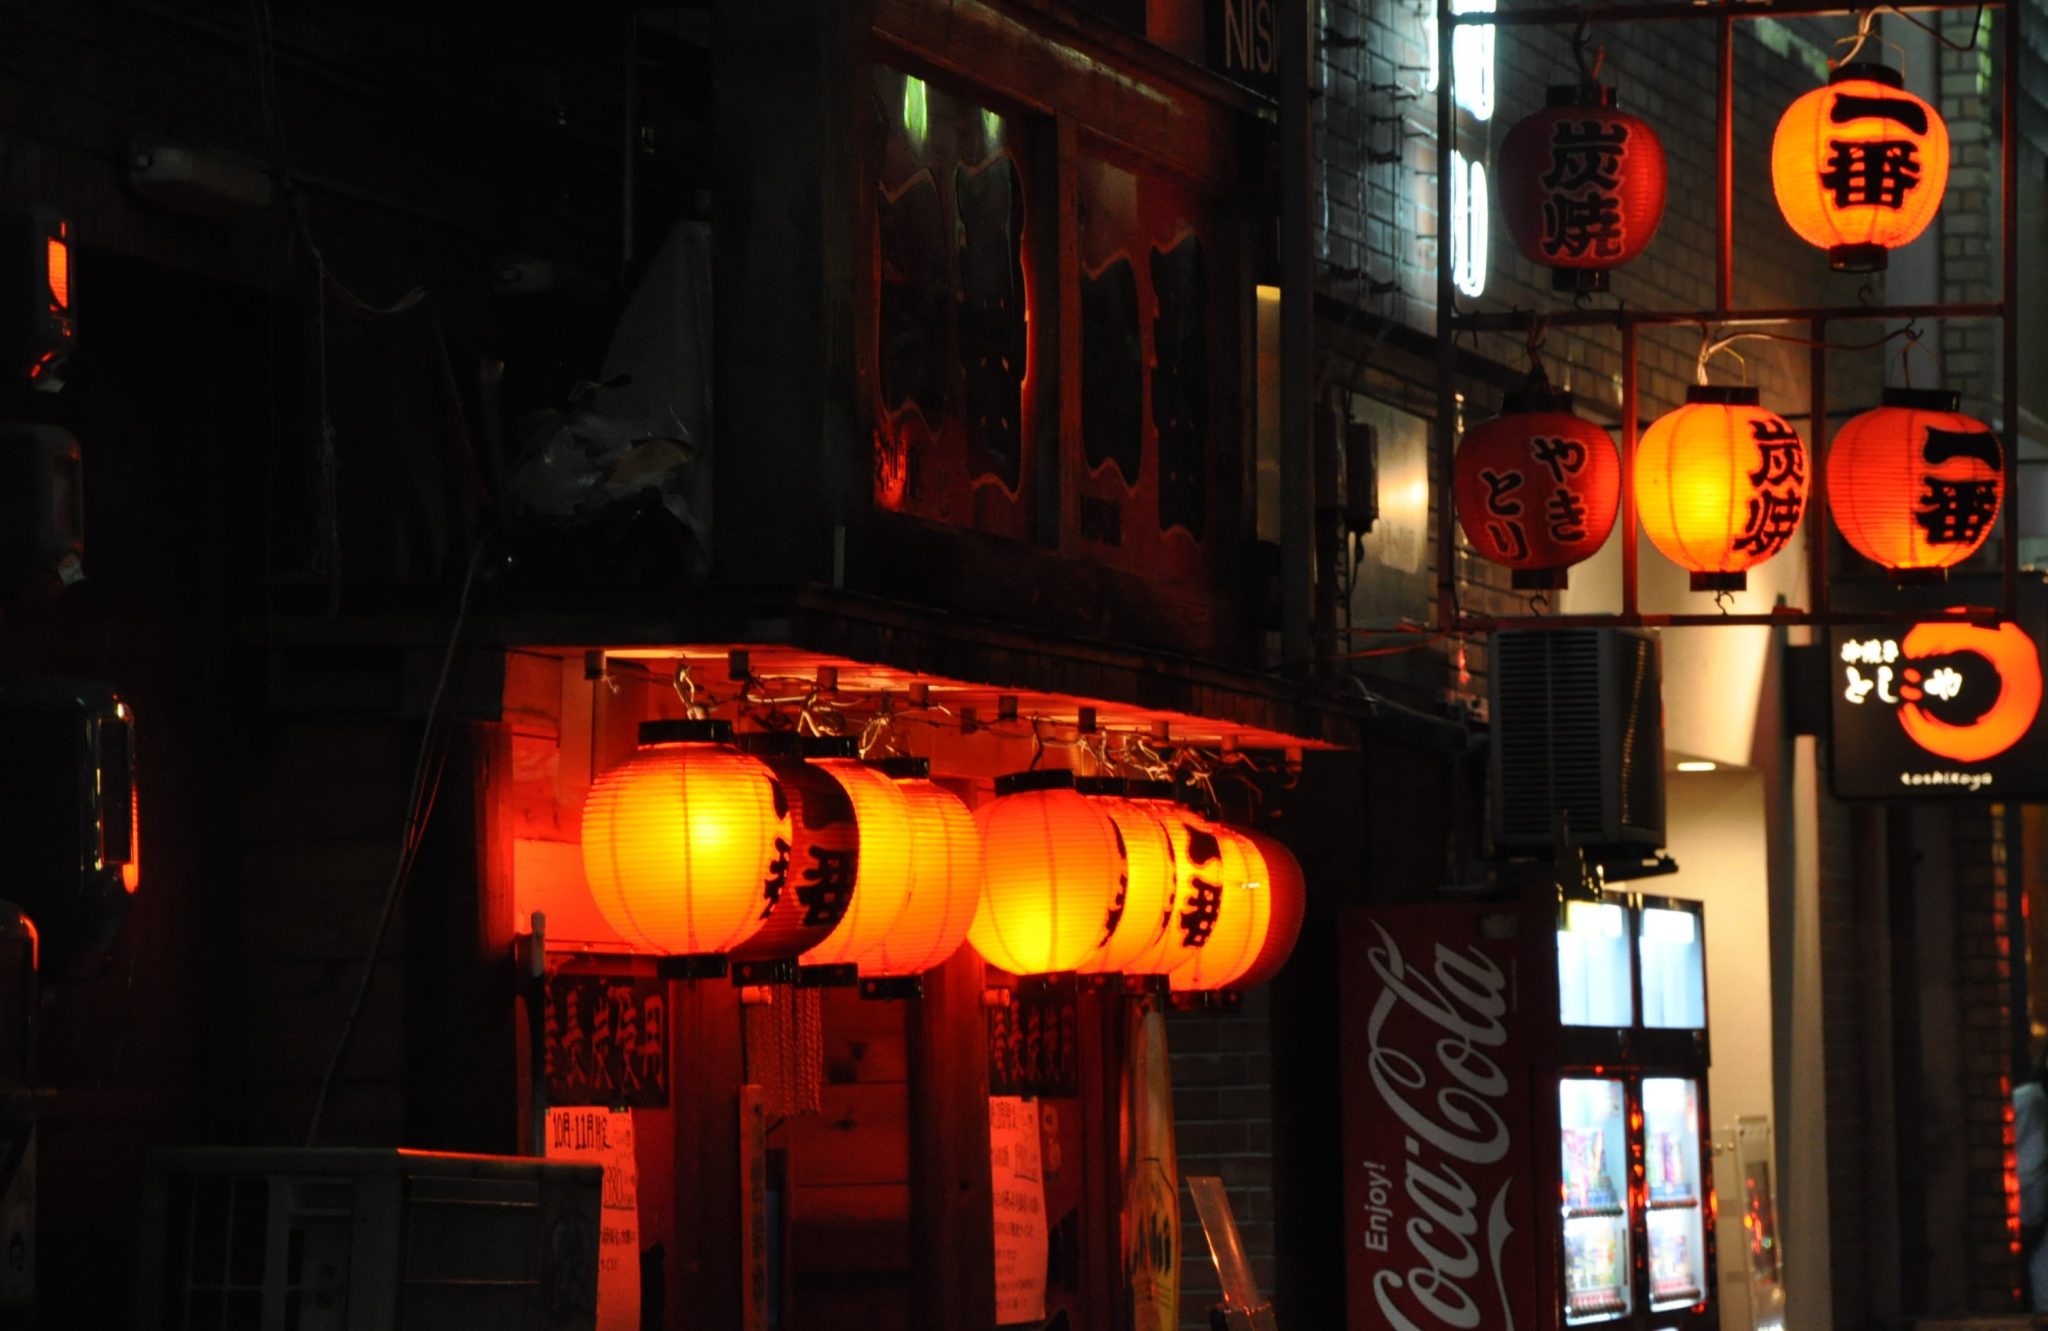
<point x="1669" y="943"/>
<point x="1593" y="966"/>
<point x="1675" y="1198"/>
<point x="1593" y="1120"/>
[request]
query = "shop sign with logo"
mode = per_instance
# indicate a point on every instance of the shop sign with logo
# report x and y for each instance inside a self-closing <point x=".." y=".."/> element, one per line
<point x="1937" y="711"/>
<point x="1438" y="1168"/>
<point x="1241" y="45"/>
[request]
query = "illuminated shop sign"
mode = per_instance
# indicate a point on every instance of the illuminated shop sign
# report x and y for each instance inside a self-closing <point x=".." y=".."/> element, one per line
<point x="1937" y="711"/>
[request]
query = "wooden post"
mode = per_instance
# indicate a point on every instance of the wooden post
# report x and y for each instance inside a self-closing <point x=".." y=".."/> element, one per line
<point x="951" y="1221"/>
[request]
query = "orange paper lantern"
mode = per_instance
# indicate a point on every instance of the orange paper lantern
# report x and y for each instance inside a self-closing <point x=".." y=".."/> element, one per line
<point x="1720" y="484"/>
<point x="809" y="892"/>
<point x="1859" y="166"/>
<point x="1287" y="895"/>
<point x="1234" y="878"/>
<point x="882" y="880"/>
<point x="1151" y="880"/>
<point x="1915" y="485"/>
<point x="945" y="877"/>
<point x="679" y="841"/>
<point x="1052" y="875"/>
<point x="1581" y="185"/>
<point x="1537" y="488"/>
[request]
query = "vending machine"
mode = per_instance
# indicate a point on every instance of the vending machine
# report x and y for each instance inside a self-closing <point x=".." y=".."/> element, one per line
<point x="1524" y="1101"/>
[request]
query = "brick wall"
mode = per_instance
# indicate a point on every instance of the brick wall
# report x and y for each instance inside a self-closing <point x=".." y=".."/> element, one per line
<point x="1223" y="1125"/>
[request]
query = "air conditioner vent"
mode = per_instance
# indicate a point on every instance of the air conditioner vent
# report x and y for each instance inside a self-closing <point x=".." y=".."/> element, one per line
<point x="1578" y="734"/>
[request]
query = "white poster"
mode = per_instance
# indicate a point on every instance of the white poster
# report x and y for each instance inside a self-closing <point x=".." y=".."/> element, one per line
<point x="592" y="1134"/>
<point x="1017" y="1181"/>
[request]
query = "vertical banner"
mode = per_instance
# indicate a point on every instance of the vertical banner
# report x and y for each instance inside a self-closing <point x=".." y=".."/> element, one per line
<point x="596" y="1136"/>
<point x="1017" y="1184"/>
<point x="1439" y="1200"/>
<point x="1151" y="1209"/>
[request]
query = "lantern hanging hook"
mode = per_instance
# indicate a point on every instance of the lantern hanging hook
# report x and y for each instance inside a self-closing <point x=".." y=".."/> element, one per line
<point x="1589" y="66"/>
<point x="1539" y="604"/>
<point x="1539" y="328"/>
<point x="1911" y="334"/>
<point x="1724" y="601"/>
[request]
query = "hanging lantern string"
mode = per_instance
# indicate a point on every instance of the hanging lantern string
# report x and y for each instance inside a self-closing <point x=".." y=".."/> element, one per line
<point x="1710" y="346"/>
<point x="1912" y="344"/>
<point x="1538" y="328"/>
<point x="1589" y="69"/>
<point x="1866" y="17"/>
<point x="819" y="707"/>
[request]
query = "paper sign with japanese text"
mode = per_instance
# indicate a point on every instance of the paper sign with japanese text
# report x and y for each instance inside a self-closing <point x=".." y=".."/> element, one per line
<point x="591" y="1135"/>
<point x="1017" y="1184"/>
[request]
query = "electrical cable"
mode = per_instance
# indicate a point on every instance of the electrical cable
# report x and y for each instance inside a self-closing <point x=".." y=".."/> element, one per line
<point x="428" y="766"/>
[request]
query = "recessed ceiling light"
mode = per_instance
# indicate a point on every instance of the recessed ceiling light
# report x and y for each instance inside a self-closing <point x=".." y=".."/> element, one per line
<point x="1697" y="766"/>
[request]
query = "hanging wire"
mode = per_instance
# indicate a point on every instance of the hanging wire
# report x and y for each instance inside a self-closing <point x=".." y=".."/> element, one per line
<point x="1589" y="70"/>
<point x="1711" y="346"/>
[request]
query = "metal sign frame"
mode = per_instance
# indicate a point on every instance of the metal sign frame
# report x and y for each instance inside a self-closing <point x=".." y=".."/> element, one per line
<point x="1811" y="322"/>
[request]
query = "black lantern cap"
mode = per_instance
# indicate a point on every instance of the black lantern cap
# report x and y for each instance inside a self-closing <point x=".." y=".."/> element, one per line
<point x="903" y="769"/>
<point x="770" y="743"/>
<point x="1017" y="783"/>
<point x="686" y="732"/>
<point x="1726" y="395"/>
<point x="828" y="746"/>
<point x="1585" y="93"/>
<point x="1103" y="785"/>
<point x="1923" y="399"/>
<point x="1869" y="70"/>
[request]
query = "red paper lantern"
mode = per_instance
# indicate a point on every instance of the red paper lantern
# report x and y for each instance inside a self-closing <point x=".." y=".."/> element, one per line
<point x="679" y="841"/>
<point x="1152" y="879"/>
<point x="880" y="884"/>
<point x="1915" y="485"/>
<point x="1720" y="484"/>
<point x="1287" y="891"/>
<point x="1052" y="875"/>
<point x="945" y="877"/>
<point x="1581" y="185"/>
<point x="812" y="879"/>
<point x="1232" y="882"/>
<point x="1536" y="487"/>
<point x="1859" y="166"/>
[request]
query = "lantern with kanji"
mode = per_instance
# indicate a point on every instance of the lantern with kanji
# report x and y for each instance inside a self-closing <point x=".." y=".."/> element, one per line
<point x="877" y="887"/>
<point x="812" y="882"/>
<point x="945" y="883"/>
<point x="1234" y="879"/>
<point x="1052" y="875"/>
<point x="680" y="842"/>
<point x="1915" y="485"/>
<point x="1537" y="487"/>
<point x="1287" y="894"/>
<point x="1720" y="484"/>
<point x="1151" y="877"/>
<point x="1859" y="166"/>
<point x="1581" y="185"/>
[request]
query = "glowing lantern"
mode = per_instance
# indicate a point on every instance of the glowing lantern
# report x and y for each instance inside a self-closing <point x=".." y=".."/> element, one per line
<point x="1915" y="485"/>
<point x="1152" y="881"/>
<point x="679" y="841"/>
<point x="1859" y="166"/>
<point x="1234" y="880"/>
<point x="1287" y="894"/>
<point x="1052" y="875"/>
<point x="945" y="877"/>
<point x="878" y="888"/>
<point x="1581" y="185"/>
<point x="1536" y="487"/>
<point x="807" y="892"/>
<point x="1721" y="485"/>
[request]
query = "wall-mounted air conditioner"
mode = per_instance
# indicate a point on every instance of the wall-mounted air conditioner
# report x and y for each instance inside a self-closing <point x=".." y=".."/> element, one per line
<point x="1577" y="731"/>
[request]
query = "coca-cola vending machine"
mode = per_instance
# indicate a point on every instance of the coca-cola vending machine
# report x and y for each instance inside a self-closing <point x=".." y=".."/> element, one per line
<point x="1524" y="1100"/>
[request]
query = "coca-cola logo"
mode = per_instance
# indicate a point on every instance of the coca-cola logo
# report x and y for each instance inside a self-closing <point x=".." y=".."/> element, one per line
<point x="1447" y="1097"/>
